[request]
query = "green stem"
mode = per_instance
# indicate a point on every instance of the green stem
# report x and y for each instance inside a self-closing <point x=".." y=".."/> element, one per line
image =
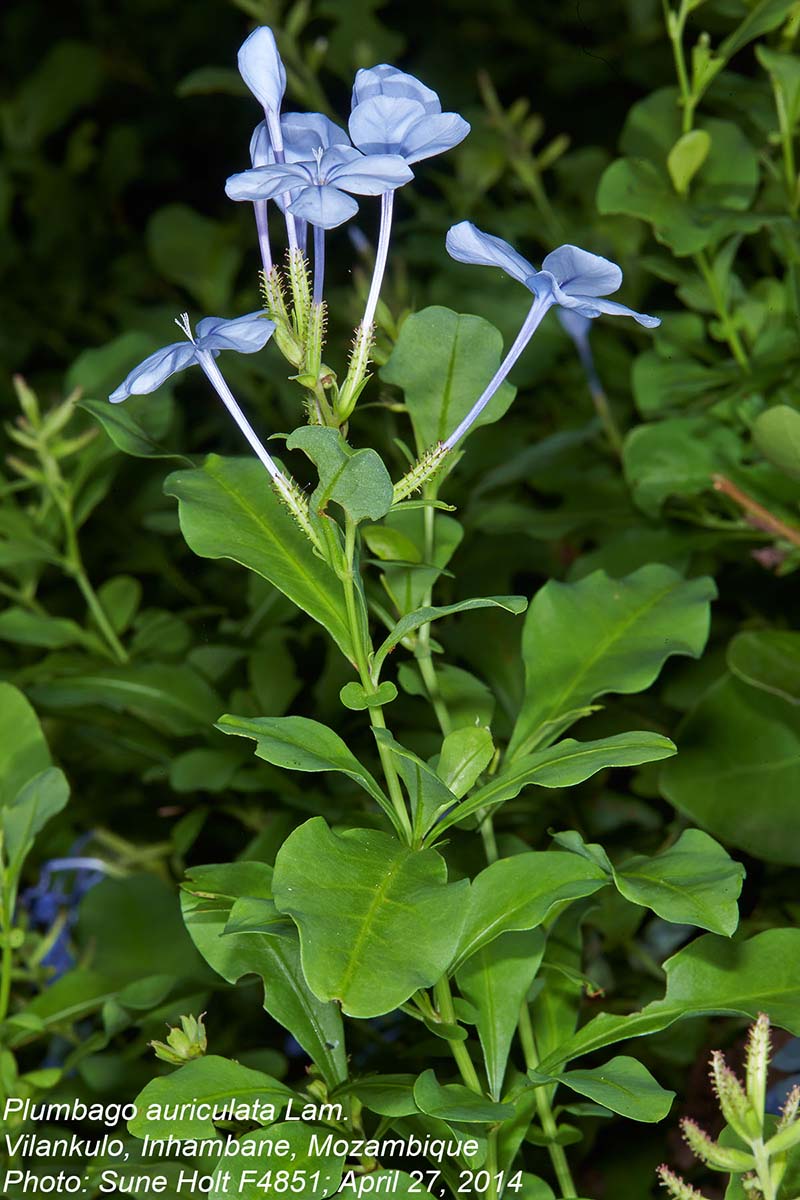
<point x="7" y="962"/>
<point x="557" y="1156"/>
<point x="466" y="1067"/>
<point x="676" y="23"/>
<point x="731" y="333"/>
<point x="423" y="652"/>
<point x="357" y="623"/>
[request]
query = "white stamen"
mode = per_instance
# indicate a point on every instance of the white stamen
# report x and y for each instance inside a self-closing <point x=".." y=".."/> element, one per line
<point x="183" y="324"/>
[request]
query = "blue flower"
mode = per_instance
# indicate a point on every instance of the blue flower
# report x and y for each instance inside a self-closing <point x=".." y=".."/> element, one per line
<point x="62" y="884"/>
<point x="320" y="186"/>
<point x="246" y="334"/>
<point x="393" y="113"/>
<point x="303" y="135"/>
<point x="262" y="69"/>
<point x="571" y="277"/>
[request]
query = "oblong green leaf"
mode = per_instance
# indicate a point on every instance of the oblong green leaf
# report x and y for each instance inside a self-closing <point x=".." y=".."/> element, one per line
<point x="601" y="635"/>
<point x="738" y="771"/>
<point x="454" y="1102"/>
<point x="566" y="764"/>
<point x="300" y="744"/>
<point x="228" y="509"/>
<point x="423" y="616"/>
<point x="693" y="882"/>
<point x="209" y="1080"/>
<point x="207" y="901"/>
<point x="625" y="1086"/>
<point x="711" y="976"/>
<point x="360" y="899"/>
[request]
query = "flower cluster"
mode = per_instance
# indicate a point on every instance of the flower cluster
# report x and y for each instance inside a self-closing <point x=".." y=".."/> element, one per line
<point x="311" y="170"/>
<point x="755" y="1151"/>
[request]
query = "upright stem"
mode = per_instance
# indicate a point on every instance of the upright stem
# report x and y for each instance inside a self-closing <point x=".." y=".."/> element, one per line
<point x="319" y="263"/>
<point x="530" y="324"/>
<point x="557" y="1156"/>
<point x="599" y="397"/>
<point x="262" y="226"/>
<point x="444" y="1003"/>
<point x="357" y="623"/>
<point x="7" y="961"/>
<point x="720" y="304"/>
<point x="76" y="568"/>
<point x="381" y="255"/>
<point x="276" y="138"/>
<point x="424" y="659"/>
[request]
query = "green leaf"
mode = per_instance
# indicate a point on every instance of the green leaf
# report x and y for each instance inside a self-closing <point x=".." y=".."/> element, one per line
<point x="520" y="892"/>
<point x="127" y="434"/>
<point x="763" y="17"/>
<point x="300" y="744"/>
<point x="625" y="1086"/>
<point x="195" y="252"/>
<point x="693" y="882"/>
<point x="355" y="696"/>
<point x="496" y="980"/>
<point x="208" y="1080"/>
<point x="738" y="771"/>
<point x="387" y="1095"/>
<point x="423" y="616"/>
<point x="776" y="433"/>
<point x="367" y="899"/>
<point x="582" y="640"/>
<point x="465" y="755"/>
<point x="37" y="801"/>
<point x="767" y="659"/>
<point x="565" y="764"/>
<point x="171" y="697"/>
<point x="207" y="902"/>
<point x="228" y="509"/>
<point x="428" y="794"/>
<point x="687" y="157"/>
<point x="711" y="976"/>
<point x="256" y="1154"/>
<point x="40" y="629"/>
<point x="784" y="72"/>
<point x="443" y="360"/>
<point x="676" y="458"/>
<point x="25" y="754"/>
<point x="454" y="1102"/>
<point x="356" y="480"/>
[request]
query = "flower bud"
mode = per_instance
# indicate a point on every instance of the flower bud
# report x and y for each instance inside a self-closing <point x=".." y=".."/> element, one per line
<point x="183" y="1044"/>
<point x="733" y="1101"/>
<point x="676" y="1187"/>
<point x="719" y="1158"/>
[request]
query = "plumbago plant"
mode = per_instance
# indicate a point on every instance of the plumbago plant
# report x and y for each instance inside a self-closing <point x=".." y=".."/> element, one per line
<point x="399" y="895"/>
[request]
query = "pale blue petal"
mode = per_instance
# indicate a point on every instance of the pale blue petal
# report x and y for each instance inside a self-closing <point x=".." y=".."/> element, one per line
<point x="338" y="156"/>
<point x="155" y="370"/>
<point x="371" y="174"/>
<point x="580" y="273"/>
<point x="436" y="133"/>
<point x="246" y="334"/>
<point x="261" y="146"/>
<point x="468" y="244"/>
<point x="264" y="183"/>
<point x="610" y="308"/>
<point x="385" y="80"/>
<point x="262" y="69"/>
<point x="324" y="206"/>
<point x="382" y="124"/>
<point x="303" y="133"/>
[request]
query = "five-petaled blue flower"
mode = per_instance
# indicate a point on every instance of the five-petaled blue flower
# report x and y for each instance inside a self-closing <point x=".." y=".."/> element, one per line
<point x="393" y="113"/>
<point x="303" y="135"/>
<point x="246" y="334"/>
<point x="571" y="277"/>
<point x="320" y="186"/>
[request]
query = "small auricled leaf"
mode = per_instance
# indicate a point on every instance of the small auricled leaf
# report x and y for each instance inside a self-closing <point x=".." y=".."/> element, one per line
<point x="687" y="157"/>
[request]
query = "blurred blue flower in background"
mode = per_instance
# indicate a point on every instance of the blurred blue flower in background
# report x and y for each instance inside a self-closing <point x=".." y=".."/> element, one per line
<point x="56" y="896"/>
